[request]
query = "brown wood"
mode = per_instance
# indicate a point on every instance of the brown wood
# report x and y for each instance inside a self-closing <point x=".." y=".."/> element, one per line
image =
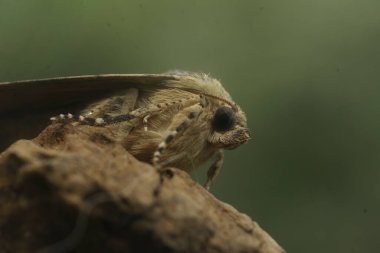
<point x="73" y="189"/>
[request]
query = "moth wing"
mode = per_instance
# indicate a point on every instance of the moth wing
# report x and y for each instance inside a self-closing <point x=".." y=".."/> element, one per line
<point x="54" y="92"/>
<point x="26" y="106"/>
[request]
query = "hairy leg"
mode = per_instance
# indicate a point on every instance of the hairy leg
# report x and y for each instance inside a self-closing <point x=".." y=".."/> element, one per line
<point x="181" y="121"/>
<point x="214" y="170"/>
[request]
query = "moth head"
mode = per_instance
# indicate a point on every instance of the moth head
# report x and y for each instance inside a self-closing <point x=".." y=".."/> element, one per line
<point x="228" y="127"/>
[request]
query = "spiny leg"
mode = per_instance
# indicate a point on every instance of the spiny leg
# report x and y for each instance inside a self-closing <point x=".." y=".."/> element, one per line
<point x="214" y="170"/>
<point x="180" y="123"/>
<point x="109" y="107"/>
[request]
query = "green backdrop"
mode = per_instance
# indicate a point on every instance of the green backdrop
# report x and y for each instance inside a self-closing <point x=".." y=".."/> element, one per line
<point x="306" y="72"/>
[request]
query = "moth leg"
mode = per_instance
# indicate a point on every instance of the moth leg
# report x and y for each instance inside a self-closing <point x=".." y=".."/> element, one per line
<point x="181" y="121"/>
<point x="116" y="118"/>
<point x="148" y="111"/>
<point x="65" y="118"/>
<point x="145" y="122"/>
<point x="129" y="103"/>
<point x="62" y="117"/>
<point x="116" y="104"/>
<point x="97" y="113"/>
<point x="214" y="170"/>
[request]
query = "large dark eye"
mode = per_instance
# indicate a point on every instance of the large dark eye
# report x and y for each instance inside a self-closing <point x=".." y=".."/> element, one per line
<point x="224" y="119"/>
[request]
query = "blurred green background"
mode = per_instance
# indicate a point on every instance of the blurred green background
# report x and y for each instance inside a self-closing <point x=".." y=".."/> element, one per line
<point x="306" y="72"/>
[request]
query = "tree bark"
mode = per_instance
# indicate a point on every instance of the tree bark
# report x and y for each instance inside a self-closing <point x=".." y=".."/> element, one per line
<point x="74" y="189"/>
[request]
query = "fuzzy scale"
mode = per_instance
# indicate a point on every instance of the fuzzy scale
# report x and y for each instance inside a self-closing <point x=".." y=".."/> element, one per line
<point x="170" y="123"/>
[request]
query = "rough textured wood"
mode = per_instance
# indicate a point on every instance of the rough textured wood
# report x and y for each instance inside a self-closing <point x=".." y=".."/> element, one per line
<point x="76" y="190"/>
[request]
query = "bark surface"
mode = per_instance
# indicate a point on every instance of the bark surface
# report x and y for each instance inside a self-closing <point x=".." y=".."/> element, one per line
<point x="74" y="189"/>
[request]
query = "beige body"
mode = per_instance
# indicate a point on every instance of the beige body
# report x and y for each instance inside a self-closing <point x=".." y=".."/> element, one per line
<point x="189" y="150"/>
<point x="173" y="124"/>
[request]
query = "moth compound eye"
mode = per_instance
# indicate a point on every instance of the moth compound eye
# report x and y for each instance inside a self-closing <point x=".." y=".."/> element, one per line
<point x="224" y="119"/>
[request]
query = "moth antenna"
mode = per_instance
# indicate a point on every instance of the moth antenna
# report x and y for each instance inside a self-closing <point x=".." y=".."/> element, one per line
<point x="230" y="103"/>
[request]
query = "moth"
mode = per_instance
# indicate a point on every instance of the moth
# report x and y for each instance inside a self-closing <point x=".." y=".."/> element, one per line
<point x="178" y="119"/>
